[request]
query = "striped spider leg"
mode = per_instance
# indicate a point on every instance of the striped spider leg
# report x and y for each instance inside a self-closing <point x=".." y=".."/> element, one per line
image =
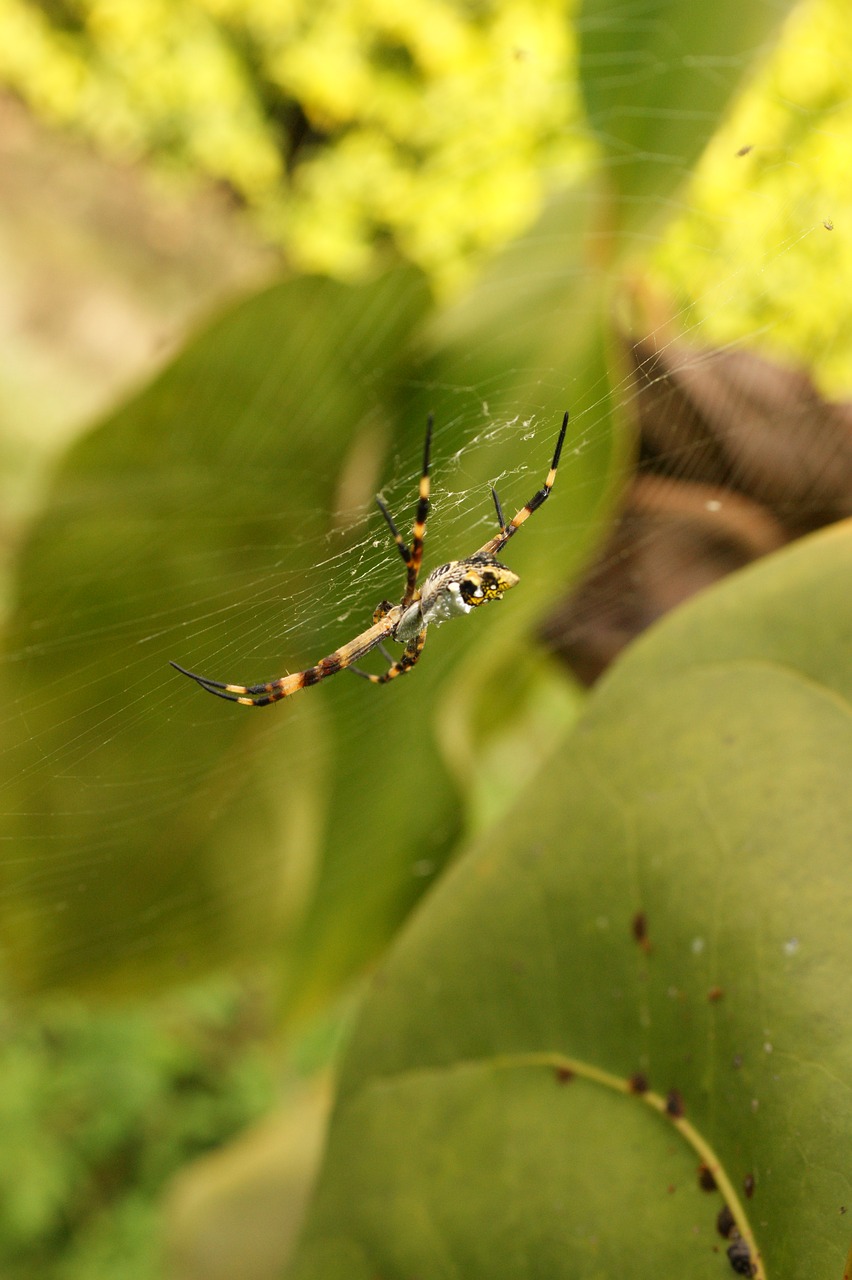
<point x="450" y="591"/>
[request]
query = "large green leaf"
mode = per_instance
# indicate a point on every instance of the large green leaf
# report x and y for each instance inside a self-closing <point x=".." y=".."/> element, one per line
<point x="162" y="830"/>
<point x="159" y="830"/>
<point x="656" y="76"/>
<point x="670" y="898"/>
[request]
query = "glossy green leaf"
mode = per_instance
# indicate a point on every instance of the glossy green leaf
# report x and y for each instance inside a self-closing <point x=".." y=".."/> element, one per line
<point x="670" y="901"/>
<point x="657" y="76"/>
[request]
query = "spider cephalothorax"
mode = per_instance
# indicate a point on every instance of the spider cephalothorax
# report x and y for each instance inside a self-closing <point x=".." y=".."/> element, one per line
<point x="462" y="585"/>
<point x="449" y="591"/>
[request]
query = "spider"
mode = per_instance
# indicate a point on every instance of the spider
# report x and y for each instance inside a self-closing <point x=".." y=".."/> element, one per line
<point x="449" y="591"/>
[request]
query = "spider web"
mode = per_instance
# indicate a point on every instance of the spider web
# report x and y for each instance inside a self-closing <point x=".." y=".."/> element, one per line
<point x="238" y="811"/>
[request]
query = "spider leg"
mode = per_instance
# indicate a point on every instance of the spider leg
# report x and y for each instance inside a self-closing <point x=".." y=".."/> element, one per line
<point x="501" y="519"/>
<point x="212" y="686"/>
<point x="261" y="695"/>
<point x="397" y="536"/>
<point x="388" y="657"/>
<point x="418" y="532"/>
<point x="412" y="555"/>
<point x="410" y="658"/>
<point x="508" y="530"/>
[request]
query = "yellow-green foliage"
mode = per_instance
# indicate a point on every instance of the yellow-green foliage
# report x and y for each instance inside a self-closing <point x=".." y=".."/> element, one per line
<point x="97" y="1111"/>
<point x="441" y="126"/>
<point x="765" y="250"/>
<point x="436" y="124"/>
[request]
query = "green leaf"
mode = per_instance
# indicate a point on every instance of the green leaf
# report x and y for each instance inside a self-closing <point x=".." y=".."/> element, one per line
<point x="166" y="832"/>
<point x="657" y="76"/>
<point x="487" y="1124"/>
<point x="163" y="831"/>
<point x="480" y="361"/>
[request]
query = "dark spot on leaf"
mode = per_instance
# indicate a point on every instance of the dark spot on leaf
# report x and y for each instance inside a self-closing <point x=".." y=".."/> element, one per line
<point x="639" y="928"/>
<point x="674" y="1103"/>
<point x="564" y="1075"/>
<point x="706" y="1181"/>
<point x="725" y="1222"/>
<point x="748" y="1185"/>
<point x="743" y="151"/>
<point x="737" y="1061"/>
<point x="638" y="1083"/>
<point x="714" y="994"/>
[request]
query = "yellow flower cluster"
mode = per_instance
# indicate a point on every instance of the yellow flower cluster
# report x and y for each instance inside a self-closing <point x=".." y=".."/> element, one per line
<point x="764" y="250"/>
<point x="433" y="125"/>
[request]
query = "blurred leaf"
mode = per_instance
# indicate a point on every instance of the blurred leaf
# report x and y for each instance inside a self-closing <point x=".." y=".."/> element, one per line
<point x="485" y="1126"/>
<point x="527" y="342"/>
<point x="238" y="1211"/>
<point x="657" y="75"/>
<point x="164" y="831"/>
<point x="726" y="475"/>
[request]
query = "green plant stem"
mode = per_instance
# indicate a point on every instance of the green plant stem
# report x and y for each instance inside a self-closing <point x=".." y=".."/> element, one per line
<point x="583" y="1070"/>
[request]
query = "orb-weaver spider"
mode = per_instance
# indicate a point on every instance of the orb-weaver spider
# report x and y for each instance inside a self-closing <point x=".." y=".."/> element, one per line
<point x="449" y="591"/>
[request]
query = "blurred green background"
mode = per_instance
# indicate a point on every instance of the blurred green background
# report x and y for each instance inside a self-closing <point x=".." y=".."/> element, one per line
<point x="247" y="247"/>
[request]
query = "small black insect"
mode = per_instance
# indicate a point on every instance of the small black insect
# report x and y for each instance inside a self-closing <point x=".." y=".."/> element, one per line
<point x="675" y="1104"/>
<point x="739" y="1256"/>
<point x="725" y="1222"/>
